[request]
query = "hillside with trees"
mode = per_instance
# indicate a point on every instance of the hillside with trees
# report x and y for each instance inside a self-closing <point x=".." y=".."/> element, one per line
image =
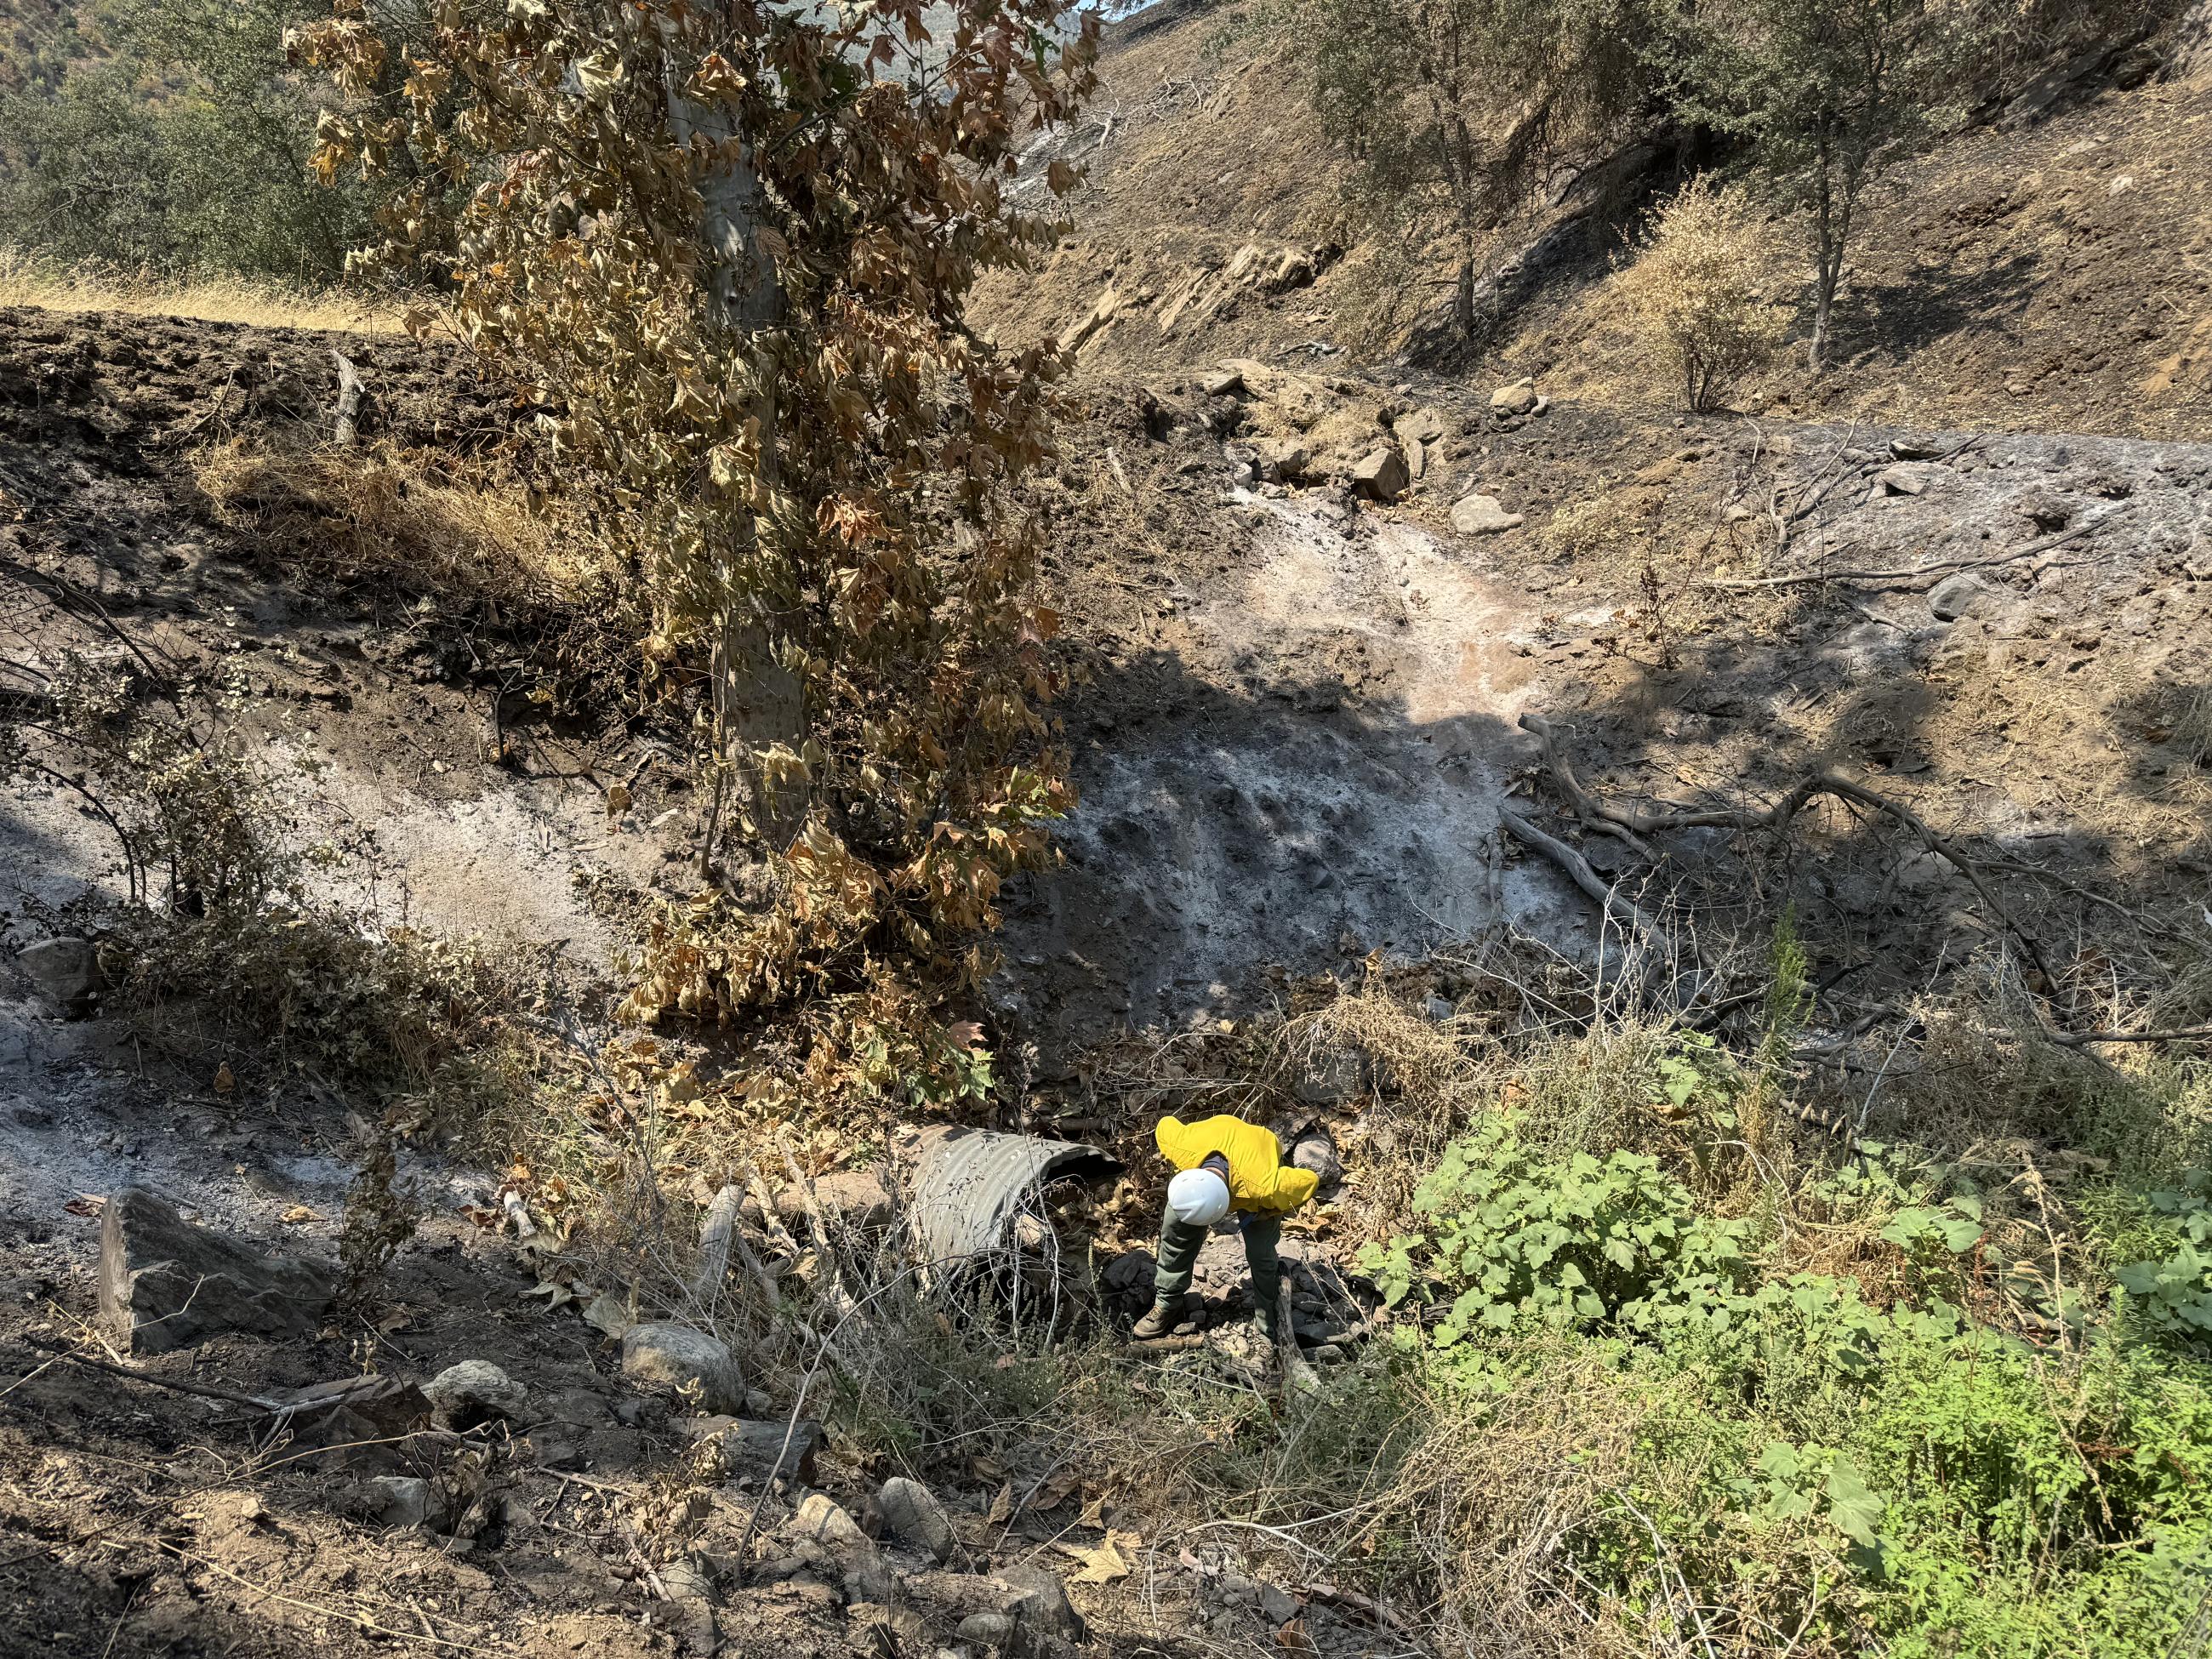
<point x="706" y="709"/>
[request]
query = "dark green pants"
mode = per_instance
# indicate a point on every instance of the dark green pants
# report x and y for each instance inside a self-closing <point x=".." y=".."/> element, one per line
<point x="1180" y="1244"/>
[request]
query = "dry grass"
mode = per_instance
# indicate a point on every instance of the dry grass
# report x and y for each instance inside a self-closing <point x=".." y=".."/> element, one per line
<point x="464" y="533"/>
<point x="26" y="280"/>
<point x="2193" y="732"/>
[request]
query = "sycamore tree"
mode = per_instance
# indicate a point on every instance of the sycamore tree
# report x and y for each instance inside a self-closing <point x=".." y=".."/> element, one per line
<point x="726" y="245"/>
<point x="1453" y="113"/>
<point x="1826" y="95"/>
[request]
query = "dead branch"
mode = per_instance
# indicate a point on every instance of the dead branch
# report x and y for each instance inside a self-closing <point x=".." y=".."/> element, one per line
<point x="1610" y="899"/>
<point x="1926" y="574"/>
<point x="2083" y="1039"/>
<point x="714" y="1241"/>
<point x="349" y="390"/>
<point x="175" y="1386"/>
<point x="817" y="1226"/>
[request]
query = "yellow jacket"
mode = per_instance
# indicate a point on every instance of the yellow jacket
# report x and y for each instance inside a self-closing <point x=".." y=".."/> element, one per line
<point x="1257" y="1178"/>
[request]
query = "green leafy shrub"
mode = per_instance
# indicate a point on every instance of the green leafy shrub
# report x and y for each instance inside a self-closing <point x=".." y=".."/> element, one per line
<point x="2173" y="1292"/>
<point x="1583" y="1242"/>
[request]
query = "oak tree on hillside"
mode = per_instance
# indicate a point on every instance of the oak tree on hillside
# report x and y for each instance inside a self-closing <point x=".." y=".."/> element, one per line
<point x="728" y="246"/>
<point x="1453" y="111"/>
<point x="1827" y="95"/>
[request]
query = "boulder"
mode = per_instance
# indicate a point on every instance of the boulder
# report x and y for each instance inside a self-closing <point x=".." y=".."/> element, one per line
<point x="822" y="1519"/>
<point x="1519" y="398"/>
<point x="1482" y="515"/>
<point x="1421" y="426"/>
<point x="1961" y="594"/>
<point x="1380" y="474"/>
<point x="1277" y="1605"/>
<point x="914" y="1514"/>
<point x="1317" y="1153"/>
<point x="62" y="970"/>
<point x="1281" y="460"/>
<point x="1030" y="1597"/>
<point x="1038" y="1600"/>
<point x="475" y="1392"/>
<point x="165" y="1283"/>
<point x="761" y="1450"/>
<point x="870" y="1577"/>
<point x="661" y="1353"/>
<point x="399" y="1500"/>
<point x="1224" y="382"/>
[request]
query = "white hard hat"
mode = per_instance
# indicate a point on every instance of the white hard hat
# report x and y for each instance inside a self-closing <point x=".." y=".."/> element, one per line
<point x="1199" y="1197"/>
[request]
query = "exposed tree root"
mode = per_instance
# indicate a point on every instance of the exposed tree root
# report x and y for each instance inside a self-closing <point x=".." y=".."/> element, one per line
<point x="1589" y="807"/>
<point x="1919" y="576"/>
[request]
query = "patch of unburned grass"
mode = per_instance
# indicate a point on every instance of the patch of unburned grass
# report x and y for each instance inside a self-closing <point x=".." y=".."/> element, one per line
<point x="27" y="280"/>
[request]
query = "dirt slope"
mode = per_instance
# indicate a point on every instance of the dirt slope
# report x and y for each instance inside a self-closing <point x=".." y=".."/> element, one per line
<point x="2046" y="270"/>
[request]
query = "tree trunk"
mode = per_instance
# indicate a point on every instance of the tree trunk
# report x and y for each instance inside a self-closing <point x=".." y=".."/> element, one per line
<point x="759" y="703"/>
<point x="1824" y="306"/>
<point x="1827" y="257"/>
<point x="1463" y="300"/>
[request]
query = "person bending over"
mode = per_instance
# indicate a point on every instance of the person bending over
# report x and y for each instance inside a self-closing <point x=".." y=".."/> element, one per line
<point x="1223" y="1166"/>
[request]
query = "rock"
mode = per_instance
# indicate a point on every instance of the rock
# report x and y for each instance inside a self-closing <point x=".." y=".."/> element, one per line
<point x="1317" y="1153"/>
<point x="1481" y="515"/>
<point x="1381" y="474"/>
<point x="1132" y="1270"/>
<point x="1541" y="406"/>
<point x="578" y="1408"/>
<point x="1223" y="383"/>
<point x="989" y="1629"/>
<point x="62" y="970"/>
<point x="849" y="1198"/>
<point x="870" y="1578"/>
<point x="1961" y="594"/>
<point x="1100" y="316"/>
<point x="1422" y="426"/>
<point x="474" y="1392"/>
<point x="912" y="1511"/>
<point x="1277" y="1605"/>
<point x="1040" y="1601"/>
<point x="1519" y="398"/>
<point x="821" y="1520"/>
<point x="1294" y="270"/>
<point x="398" y="1500"/>
<point x="1906" y="477"/>
<point x="671" y="1356"/>
<point x="1281" y="460"/>
<point x="761" y="1450"/>
<point x="165" y="1283"/>
<point x="898" y="1631"/>
<point x="1417" y="458"/>
<point x="356" y="1422"/>
<point x="1032" y="1596"/>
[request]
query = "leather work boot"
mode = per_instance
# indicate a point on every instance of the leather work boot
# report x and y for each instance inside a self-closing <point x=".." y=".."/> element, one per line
<point x="1159" y="1321"/>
